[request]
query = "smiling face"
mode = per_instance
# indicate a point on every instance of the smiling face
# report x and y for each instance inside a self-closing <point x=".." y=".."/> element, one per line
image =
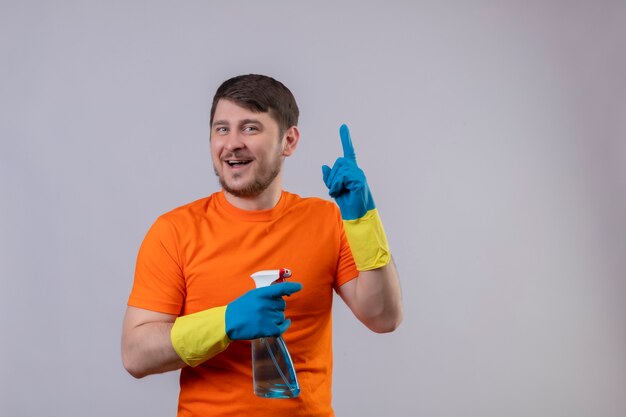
<point x="248" y="150"/>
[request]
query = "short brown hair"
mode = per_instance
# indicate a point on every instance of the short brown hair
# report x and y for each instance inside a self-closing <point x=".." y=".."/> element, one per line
<point x="260" y="94"/>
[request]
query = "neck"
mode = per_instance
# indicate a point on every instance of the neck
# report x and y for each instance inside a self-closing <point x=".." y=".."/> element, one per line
<point x="264" y="201"/>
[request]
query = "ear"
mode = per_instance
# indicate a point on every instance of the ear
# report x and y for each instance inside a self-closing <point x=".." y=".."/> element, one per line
<point x="291" y="138"/>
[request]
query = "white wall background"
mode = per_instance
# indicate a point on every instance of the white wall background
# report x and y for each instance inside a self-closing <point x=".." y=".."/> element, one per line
<point x="493" y="134"/>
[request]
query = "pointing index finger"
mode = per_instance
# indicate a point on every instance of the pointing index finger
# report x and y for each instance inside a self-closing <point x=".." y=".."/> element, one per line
<point x="346" y="143"/>
<point x="281" y="289"/>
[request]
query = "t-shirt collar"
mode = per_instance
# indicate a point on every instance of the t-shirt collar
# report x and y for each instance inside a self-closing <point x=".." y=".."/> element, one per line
<point x="252" y="215"/>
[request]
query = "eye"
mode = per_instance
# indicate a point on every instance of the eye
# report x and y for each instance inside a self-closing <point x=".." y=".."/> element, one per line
<point x="250" y="129"/>
<point x="221" y="130"/>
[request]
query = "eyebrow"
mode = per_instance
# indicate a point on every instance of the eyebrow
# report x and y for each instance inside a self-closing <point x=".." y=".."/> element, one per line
<point x="220" y="122"/>
<point x="241" y="122"/>
<point x="246" y="121"/>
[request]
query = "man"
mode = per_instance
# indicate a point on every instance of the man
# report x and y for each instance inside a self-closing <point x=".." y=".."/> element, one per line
<point x="193" y="305"/>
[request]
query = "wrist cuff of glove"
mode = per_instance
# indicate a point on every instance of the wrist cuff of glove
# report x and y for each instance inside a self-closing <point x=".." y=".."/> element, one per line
<point x="368" y="241"/>
<point x="200" y="336"/>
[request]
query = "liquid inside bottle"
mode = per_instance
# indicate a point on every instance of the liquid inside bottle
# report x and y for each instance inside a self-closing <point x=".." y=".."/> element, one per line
<point x="272" y="369"/>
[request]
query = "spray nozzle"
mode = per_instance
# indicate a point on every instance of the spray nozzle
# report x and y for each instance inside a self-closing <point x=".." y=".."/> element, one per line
<point x="269" y="277"/>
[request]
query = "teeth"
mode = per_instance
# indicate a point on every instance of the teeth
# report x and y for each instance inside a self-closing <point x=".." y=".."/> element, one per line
<point x="236" y="163"/>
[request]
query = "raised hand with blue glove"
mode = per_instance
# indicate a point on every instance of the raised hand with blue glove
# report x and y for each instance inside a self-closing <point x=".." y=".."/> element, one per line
<point x="347" y="184"/>
<point x="258" y="313"/>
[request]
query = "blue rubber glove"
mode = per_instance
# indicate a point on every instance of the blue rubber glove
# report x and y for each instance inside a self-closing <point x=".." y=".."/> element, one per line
<point x="347" y="184"/>
<point x="259" y="312"/>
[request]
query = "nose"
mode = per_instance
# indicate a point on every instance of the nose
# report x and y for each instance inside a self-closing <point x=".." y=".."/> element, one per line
<point x="233" y="142"/>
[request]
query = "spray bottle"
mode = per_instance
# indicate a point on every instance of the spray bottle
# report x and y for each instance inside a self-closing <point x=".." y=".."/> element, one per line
<point x="272" y="369"/>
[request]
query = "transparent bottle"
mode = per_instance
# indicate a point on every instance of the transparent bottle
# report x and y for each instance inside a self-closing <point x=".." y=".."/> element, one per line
<point x="272" y="369"/>
<point x="273" y="372"/>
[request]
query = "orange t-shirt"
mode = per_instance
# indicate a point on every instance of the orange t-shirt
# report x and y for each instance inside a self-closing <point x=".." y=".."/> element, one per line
<point x="201" y="255"/>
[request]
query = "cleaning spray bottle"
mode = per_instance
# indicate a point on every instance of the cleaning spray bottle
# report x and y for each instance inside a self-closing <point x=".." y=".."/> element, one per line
<point x="272" y="369"/>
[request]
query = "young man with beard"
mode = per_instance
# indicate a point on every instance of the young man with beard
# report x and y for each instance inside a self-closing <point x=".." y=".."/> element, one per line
<point x="193" y="305"/>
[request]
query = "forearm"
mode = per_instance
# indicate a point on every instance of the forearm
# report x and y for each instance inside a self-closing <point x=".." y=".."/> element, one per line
<point x="375" y="298"/>
<point x="147" y="349"/>
<point x="154" y="342"/>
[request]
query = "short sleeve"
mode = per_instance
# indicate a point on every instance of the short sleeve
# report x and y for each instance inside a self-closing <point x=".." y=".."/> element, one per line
<point x="346" y="268"/>
<point x="159" y="283"/>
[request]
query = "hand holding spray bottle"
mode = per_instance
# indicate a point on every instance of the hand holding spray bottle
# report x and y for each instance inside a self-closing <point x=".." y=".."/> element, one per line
<point x="257" y="315"/>
<point x="272" y="368"/>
